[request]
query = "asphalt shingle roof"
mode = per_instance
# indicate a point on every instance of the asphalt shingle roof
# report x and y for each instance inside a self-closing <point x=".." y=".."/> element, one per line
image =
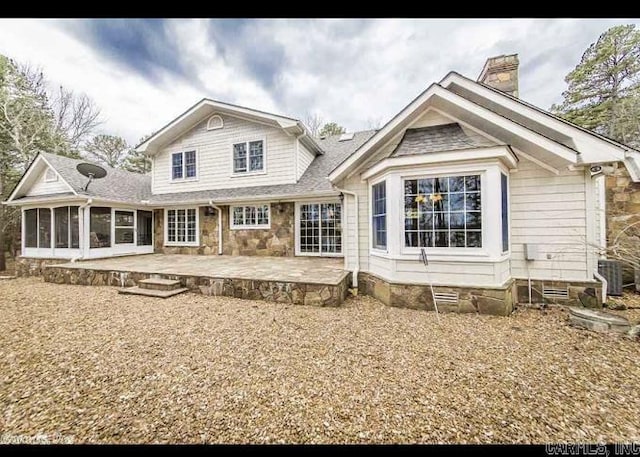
<point x="118" y="185"/>
<point x="124" y="186"/>
<point x="437" y="138"/>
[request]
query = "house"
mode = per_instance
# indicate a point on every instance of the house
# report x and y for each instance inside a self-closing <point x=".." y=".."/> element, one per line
<point x="469" y="188"/>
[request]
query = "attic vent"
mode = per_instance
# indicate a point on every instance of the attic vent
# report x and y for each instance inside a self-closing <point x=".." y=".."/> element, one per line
<point x="446" y="298"/>
<point x="555" y="293"/>
<point x="50" y="175"/>
<point x="215" y="122"/>
<point x="346" y="137"/>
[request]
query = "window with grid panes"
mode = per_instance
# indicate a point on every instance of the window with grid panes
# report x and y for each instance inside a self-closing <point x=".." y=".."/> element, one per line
<point x="444" y="211"/>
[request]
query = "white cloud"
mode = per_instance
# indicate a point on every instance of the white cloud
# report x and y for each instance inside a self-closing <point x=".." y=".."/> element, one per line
<point x="348" y="71"/>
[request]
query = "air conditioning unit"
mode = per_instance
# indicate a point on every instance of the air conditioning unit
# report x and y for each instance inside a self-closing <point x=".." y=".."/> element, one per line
<point x="612" y="272"/>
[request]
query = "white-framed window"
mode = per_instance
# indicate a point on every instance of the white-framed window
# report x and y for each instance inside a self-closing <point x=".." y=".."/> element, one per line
<point x="50" y="175"/>
<point x="215" y="122"/>
<point x="248" y="157"/>
<point x="443" y="212"/>
<point x="250" y="216"/>
<point x="181" y="226"/>
<point x="319" y="229"/>
<point x="379" y="215"/>
<point x="124" y="227"/>
<point x="184" y="165"/>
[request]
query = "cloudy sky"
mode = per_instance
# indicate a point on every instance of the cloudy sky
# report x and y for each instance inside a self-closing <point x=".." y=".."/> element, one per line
<point x="142" y="73"/>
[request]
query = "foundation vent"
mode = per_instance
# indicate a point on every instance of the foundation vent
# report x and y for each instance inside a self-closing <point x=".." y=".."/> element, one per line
<point x="446" y="298"/>
<point x="555" y="293"/>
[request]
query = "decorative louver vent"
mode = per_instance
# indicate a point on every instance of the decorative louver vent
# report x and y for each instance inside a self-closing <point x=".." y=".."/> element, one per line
<point x="555" y="293"/>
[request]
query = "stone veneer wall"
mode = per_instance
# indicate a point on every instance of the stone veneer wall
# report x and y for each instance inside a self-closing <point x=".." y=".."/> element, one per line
<point x="581" y="293"/>
<point x="622" y="208"/>
<point x="296" y="293"/>
<point x="29" y="266"/>
<point x="278" y="241"/>
<point x="498" y="301"/>
<point x="208" y="235"/>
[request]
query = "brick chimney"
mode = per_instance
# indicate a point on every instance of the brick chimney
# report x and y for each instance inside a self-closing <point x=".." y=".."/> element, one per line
<point x="501" y="72"/>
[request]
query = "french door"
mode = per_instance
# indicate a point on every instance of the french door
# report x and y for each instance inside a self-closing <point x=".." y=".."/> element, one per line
<point x="320" y="229"/>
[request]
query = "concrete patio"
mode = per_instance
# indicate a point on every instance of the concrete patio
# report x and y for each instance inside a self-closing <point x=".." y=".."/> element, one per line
<point x="297" y="280"/>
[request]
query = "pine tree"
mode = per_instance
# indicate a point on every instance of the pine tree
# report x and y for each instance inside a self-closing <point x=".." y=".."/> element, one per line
<point x="603" y="91"/>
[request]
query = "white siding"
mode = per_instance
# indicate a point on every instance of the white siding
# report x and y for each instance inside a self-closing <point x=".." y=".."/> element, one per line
<point x="600" y="214"/>
<point x="214" y="149"/>
<point x="354" y="184"/>
<point x="305" y="157"/>
<point x="42" y="187"/>
<point x="430" y="118"/>
<point x="549" y="211"/>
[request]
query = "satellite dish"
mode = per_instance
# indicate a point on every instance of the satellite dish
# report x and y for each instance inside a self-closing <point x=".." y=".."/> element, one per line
<point x="91" y="171"/>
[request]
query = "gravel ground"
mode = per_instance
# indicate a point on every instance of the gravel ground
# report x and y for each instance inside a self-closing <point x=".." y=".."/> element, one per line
<point x="88" y="365"/>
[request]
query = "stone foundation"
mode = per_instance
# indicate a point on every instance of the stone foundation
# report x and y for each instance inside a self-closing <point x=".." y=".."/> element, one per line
<point x="498" y="301"/>
<point x="296" y="293"/>
<point x="29" y="266"/>
<point x="277" y="241"/>
<point x="581" y="293"/>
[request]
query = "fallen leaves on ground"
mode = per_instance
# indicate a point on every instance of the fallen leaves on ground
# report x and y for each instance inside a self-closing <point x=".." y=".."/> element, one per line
<point x="87" y="363"/>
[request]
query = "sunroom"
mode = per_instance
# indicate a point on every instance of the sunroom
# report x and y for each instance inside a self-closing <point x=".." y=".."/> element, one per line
<point x="79" y="231"/>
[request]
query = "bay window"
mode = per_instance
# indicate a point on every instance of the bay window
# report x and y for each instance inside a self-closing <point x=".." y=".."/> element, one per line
<point x="504" y="213"/>
<point x="379" y="215"/>
<point x="250" y="217"/>
<point x="181" y="226"/>
<point x="443" y="211"/>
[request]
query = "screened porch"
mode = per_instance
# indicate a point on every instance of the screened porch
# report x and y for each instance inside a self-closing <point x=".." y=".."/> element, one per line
<point x="69" y="232"/>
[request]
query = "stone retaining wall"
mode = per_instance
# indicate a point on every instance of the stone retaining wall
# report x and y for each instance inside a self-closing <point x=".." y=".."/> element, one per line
<point x="29" y="266"/>
<point x="497" y="301"/>
<point x="275" y="291"/>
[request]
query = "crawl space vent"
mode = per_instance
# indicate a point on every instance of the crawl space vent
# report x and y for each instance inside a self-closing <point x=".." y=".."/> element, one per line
<point x="447" y="298"/>
<point x="558" y="294"/>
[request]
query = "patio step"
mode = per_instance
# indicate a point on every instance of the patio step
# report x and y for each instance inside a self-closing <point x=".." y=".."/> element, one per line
<point x="151" y="292"/>
<point x="159" y="284"/>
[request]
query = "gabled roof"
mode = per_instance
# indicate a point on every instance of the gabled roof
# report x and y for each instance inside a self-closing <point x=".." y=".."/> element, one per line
<point x="313" y="182"/>
<point x="536" y="133"/>
<point x="207" y="107"/>
<point x="438" y="138"/>
<point x="118" y="185"/>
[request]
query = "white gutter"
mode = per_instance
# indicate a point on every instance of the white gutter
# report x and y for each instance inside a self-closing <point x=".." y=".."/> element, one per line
<point x="602" y="279"/>
<point x="356" y="268"/>
<point x="81" y="232"/>
<point x="219" y="225"/>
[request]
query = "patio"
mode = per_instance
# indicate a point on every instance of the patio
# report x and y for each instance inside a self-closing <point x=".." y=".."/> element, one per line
<point x="296" y="280"/>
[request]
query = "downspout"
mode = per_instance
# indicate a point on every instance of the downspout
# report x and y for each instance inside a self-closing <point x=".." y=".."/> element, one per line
<point x="356" y="268"/>
<point x="216" y="207"/>
<point x="81" y="208"/>
<point x="605" y="284"/>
